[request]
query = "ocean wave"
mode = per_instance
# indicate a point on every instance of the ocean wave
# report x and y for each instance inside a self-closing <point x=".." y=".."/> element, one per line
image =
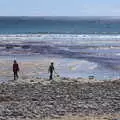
<point x="56" y="34"/>
<point x="61" y="38"/>
<point x="60" y="43"/>
<point x="91" y="47"/>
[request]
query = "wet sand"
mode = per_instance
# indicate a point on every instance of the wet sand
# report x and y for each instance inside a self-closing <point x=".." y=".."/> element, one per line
<point x="33" y="67"/>
<point x="28" y="69"/>
<point x="37" y="67"/>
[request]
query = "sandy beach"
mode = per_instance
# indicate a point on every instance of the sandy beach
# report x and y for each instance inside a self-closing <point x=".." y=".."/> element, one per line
<point x="31" y="67"/>
<point x="28" y="69"/>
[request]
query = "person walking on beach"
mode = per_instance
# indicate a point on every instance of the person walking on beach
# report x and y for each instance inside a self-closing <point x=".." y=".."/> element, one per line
<point x="15" y="69"/>
<point x="50" y="70"/>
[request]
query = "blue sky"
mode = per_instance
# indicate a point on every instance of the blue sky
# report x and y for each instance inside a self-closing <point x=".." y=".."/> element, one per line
<point x="59" y="7"/>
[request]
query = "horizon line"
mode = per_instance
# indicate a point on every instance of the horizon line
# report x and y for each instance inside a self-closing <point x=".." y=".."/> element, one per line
<point x="52" y="16"/>
<point x="64" y="17"/>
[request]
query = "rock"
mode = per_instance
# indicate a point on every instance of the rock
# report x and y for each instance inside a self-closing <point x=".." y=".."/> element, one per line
<point x="36" y="100"/>
<point x="31" y="80"/>
<point x="53" y="116"/>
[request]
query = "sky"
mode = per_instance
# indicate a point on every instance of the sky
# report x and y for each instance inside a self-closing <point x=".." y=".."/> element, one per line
<point x="59" y="7"/>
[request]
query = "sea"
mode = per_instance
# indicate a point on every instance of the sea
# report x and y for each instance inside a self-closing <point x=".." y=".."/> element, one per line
<point x="85" y="46"/>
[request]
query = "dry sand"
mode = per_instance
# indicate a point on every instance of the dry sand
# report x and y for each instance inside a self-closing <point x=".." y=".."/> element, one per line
<point x="104" y="117"/>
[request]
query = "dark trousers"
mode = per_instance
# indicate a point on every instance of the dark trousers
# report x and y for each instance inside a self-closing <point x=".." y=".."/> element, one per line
<point x="15" y="75"/>
<point x="51" y="76"/>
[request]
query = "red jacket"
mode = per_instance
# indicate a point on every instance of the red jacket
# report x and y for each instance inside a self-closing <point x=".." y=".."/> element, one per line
<point x="15" y="67"/>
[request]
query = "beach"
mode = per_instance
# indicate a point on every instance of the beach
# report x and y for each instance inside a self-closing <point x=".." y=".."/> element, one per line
<point x="74" y="55"/>
<point x="34" y="97"/>
<point x="37" y="67"/>
<point x="86" y="57"/>
<point x="62" y="99"/>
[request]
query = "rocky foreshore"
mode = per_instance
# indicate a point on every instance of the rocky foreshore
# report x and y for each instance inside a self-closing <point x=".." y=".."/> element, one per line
<point x="35" y="100"/>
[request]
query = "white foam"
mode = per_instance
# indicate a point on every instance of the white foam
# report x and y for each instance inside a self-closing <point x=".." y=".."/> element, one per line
<point x="117" y="54"/>
<point x="61" y="39"/>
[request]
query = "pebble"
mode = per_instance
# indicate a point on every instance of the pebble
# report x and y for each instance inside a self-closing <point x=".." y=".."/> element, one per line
<point x="58" y="99"/>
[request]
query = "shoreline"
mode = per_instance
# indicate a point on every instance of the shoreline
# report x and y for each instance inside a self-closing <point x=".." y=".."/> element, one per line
<point x="37" y="67"/>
